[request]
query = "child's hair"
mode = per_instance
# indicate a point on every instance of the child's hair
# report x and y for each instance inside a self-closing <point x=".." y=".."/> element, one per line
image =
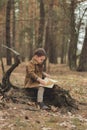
<point x="40" y="52"/>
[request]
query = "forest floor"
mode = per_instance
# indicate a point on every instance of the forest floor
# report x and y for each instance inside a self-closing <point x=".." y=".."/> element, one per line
<point x="18" y="117"/>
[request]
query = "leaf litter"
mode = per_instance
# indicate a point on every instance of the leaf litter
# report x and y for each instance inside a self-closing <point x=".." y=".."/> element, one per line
<point x="17" y="117"/>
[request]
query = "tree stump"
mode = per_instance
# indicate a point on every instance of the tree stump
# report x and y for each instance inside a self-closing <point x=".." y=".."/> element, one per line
<point x="56" y="96"/>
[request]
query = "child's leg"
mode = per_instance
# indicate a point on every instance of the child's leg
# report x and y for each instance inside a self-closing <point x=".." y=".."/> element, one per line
<point x="40" y="94"/>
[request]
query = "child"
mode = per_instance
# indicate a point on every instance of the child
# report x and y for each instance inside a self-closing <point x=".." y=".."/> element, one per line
<point x="35" y="74"/>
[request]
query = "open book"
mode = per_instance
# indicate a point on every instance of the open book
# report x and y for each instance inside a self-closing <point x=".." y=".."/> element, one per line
<point x="49" y="82"/>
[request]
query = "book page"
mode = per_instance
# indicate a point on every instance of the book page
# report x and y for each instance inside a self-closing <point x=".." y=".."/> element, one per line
<point x="49" y="82"/>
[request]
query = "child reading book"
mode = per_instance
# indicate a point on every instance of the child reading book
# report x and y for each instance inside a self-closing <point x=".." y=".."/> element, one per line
<point x="35" y="74"/>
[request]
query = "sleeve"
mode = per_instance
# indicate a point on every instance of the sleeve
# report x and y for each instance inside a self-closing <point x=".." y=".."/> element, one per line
<point x="31" y="72"/>
<point x="43" y="75"/>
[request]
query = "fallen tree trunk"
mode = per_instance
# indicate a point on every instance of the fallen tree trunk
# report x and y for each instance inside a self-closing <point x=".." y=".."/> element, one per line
<point x="56" y="96"/>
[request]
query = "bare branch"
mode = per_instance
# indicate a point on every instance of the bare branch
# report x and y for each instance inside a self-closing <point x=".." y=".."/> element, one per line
<point x="15" y="52"/>
<point x="2" y="65"/>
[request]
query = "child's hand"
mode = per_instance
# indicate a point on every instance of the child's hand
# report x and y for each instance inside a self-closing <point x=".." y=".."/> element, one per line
<point x="48" y="76"/>
<point x="42" y="81"/>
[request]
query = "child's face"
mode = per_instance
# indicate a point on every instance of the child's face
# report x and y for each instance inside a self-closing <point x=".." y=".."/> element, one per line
<point x="40" y="59"/>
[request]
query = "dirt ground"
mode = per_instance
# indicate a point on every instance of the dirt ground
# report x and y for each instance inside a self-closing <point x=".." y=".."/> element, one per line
<point x="18" y="117"/>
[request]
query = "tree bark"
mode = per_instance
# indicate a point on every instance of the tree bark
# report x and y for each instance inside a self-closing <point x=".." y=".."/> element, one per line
<point x="83" y="57"/>
<point x="63" y="50"/>
<point x="73" y="38"/>
<point x="41" y="24"/>
<point x="50" y="42"/>
<point x="8" y="38"/>
<point x="13" y="29"/>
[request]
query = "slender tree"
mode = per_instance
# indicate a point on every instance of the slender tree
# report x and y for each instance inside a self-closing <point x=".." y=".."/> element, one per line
<point x="50" y="40"/>
<point x="83" y="57"/>
<point x="8" y="38"/>
<point x="14" y="19"/>
<point x="41" y="24"/>
<point x="73" y="37"/>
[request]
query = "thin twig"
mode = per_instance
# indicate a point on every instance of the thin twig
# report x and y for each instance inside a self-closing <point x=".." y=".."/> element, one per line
<point x="15" y="52"/>
<point x="2" y="65"/>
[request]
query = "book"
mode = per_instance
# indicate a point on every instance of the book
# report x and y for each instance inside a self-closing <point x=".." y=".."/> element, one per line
<point x="49" y="82"/>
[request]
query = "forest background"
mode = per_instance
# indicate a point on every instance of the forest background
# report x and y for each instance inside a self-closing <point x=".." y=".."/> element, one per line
<point x="59" y="26"/>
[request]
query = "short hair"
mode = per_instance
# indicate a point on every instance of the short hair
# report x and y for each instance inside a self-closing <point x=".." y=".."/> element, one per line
<point x="40" y="52"/>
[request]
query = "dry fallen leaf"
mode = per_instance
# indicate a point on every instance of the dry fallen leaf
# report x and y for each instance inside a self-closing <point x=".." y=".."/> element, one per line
<point x="1" y="98"/>
<point x="54" y="109"/>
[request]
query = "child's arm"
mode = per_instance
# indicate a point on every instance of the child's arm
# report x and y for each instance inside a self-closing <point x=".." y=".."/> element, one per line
<point x="33" y="75"/>
<point x="31" y="71"/>
<point x="41" y="81"/>
<point x="46" y="75"/>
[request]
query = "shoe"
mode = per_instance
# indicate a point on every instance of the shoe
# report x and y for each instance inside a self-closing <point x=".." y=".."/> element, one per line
<point x="43" y="106"/>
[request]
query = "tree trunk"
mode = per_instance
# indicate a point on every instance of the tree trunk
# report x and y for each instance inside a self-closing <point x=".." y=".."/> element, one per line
<point x="83" y="57"/>
<point x="73" y="39"/>
<point x="8" y="38"/>
<point x="63" y="49"/>
<point x="41" y="24"/>
<point x="14" y="23"/>
<point x="50" y="42"/>
<point x="53" y="52"/>
<point x="14" y="18"/>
